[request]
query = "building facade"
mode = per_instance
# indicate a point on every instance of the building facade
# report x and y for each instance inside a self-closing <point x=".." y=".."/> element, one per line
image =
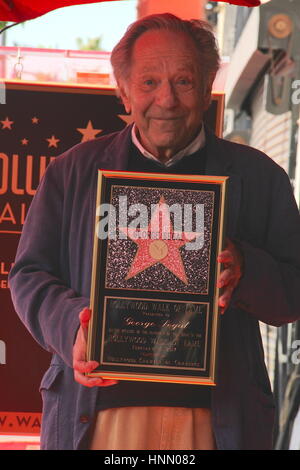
<point x="262" y="110"/>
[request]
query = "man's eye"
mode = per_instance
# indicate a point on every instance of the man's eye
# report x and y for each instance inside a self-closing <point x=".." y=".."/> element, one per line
<point x="149" y="83"/>
<point x="184" y="83"/>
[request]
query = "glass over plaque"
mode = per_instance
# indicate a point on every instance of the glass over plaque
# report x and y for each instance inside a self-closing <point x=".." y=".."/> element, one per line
<point x="154" y="297"/>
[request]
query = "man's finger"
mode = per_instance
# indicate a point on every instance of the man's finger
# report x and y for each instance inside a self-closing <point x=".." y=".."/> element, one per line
<point x="226" y="277"/>
<point x="84" y="317"/>
<point x="93" y="381"/>
<point x="85" y="367"/>
<point x="225" y="257"/>
<point x="225" y="297"/>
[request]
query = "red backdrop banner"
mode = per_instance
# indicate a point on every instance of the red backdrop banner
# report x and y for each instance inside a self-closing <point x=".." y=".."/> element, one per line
<point x="37" y="123"/>
<point x="22" y="10"/>
<point x="243" y="3"/>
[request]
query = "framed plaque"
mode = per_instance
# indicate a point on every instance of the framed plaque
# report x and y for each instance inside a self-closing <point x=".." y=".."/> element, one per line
<point x="154" y="295"/>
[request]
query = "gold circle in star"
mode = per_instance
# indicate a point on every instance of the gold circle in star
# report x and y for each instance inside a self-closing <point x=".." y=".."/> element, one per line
<point x="158" y="249"/>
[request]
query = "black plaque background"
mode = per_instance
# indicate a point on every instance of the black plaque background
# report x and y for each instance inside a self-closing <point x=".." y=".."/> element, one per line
<point x="198" y="323"/>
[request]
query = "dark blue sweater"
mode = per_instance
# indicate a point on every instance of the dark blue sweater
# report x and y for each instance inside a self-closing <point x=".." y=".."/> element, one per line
<point x="129" y="393"/>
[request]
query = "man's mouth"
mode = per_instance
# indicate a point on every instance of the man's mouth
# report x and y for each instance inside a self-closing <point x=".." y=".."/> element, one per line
<point x="174" y="118"/>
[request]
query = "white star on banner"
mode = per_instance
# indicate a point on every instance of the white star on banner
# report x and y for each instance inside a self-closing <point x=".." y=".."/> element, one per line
<point x="89" y="133"/>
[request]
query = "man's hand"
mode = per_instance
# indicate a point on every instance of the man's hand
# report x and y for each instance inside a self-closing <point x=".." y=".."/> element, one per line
<point x="80" y="365"/>
<point x="229" y="278"/>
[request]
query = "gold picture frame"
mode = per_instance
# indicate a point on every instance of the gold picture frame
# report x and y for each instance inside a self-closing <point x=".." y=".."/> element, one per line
<point x="154" y="296"/>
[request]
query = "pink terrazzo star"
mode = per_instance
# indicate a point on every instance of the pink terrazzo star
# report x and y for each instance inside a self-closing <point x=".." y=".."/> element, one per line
<point x="158" y="243"/>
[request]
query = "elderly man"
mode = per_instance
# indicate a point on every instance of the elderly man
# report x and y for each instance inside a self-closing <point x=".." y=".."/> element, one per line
<point x="165" y="68"/>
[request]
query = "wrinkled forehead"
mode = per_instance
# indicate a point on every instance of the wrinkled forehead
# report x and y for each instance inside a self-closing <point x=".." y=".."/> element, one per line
<point x="163" y="64"/>
<point x="159" y="49"/>
<point x="156" y="44"/>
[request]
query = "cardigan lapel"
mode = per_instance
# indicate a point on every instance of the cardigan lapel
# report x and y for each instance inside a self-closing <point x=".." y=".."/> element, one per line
<point x="117" y="153"/>
<point x="220" y="163"/>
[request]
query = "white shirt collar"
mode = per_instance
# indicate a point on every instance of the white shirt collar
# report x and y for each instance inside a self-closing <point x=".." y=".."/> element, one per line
<point x="195" y="145"/>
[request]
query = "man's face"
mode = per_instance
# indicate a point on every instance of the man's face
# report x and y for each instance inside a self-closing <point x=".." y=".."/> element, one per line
<point x="164" y="92"/>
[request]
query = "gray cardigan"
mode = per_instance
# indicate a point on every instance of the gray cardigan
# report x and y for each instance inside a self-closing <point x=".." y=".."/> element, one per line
<point x="50" y="284"/>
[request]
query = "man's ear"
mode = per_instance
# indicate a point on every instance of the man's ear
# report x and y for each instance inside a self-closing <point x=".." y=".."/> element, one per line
<point x="124" y="97"/>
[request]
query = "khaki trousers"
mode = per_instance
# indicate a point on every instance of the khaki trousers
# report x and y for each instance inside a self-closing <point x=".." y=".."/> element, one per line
<point x="153" y="428"/>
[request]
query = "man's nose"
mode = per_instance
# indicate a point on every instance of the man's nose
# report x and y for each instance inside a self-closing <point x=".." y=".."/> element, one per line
<point x="166" y="95"/>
